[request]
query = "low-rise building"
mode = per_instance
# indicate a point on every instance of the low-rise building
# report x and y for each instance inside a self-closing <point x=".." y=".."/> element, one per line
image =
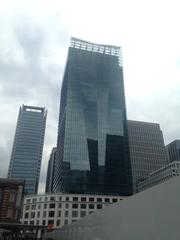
<point x="162" y="174"/>
<point x="11" y="199"/>
<point x="60" y="209"/>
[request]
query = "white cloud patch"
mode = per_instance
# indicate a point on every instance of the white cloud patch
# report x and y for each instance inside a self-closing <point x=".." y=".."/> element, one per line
<point x="33" y="47"/>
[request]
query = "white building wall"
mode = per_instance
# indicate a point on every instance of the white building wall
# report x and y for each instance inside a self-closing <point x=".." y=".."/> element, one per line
<point x="160" y="175"/>
<point x="62" y="209"/>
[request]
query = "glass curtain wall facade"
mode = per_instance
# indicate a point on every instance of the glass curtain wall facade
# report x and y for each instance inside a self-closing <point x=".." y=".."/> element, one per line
<point x="92" y="147"/>
<point x="50" y="171"/>
<point x="27" y="149"/>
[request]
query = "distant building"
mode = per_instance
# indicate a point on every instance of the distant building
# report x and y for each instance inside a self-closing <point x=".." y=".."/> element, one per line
<point x="92" y="147"/>
<point x="147" y="149"/>
<point x="60" y="209"/>
<point x="27" y="149"/>
<point x="11" y="197"/>
<point x="50" y="171"/>
<point x="173" y="150"/>
<point x="160" y="175"/>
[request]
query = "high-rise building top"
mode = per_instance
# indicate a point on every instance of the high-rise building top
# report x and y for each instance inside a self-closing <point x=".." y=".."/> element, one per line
<point x="98" y="48"/>
<point x="147" y="149"/>
<point x="27" y="149"/>
<point x="92" y="147"/>
<point x="173" y="150"/>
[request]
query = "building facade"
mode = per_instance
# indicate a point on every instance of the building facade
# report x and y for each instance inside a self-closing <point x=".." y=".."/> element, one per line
<point x="50" y="171"/>
<point x="161" y="175"/>
<point x="147" y="149"/>
<point x="173" y="150"/>
<point x="92" y="147"/>
<point x="27" y="149"/>
<point x="60" y="209"/>
<point x="11" y="199"/>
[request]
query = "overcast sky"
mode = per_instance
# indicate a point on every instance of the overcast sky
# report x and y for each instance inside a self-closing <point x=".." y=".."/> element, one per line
<point x="34" y="38"/>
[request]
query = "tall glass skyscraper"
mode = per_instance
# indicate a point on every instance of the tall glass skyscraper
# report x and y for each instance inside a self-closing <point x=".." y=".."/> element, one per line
<point x="27" y="149"/>
<point x="92" y="147"/>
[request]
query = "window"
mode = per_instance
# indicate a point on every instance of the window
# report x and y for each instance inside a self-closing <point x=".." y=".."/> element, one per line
<point x="59" y="205"/>
<point x="75" y="205"/>
<point x="33" y="207"/>
<point x="28" y="201"/>
<point x="58" y="222"/>
<point x="66" y="205"/>
<point x="66" y="213"/>
<point x="114" y="199"/>
<point x="107" y="200"/>
<point x="44" y="214"/>
<point x="34" y="200"/>
<point x="83" y="199"/>
<point x="38" y="214"/>
<point x="11" y="197"/>
<point x="60" y="198"/>
<point x="26" y="215"/>
<point x="67" y="198"/>
<point x="51" y="213"/>
<point x="52" y="199"/>
<point x="74" y="213"/>
<point x="91" y="206"/>
<point x="39" y="206"/>
<point x="83" y="206"/>
<point x="91" y="199"/>
<point x="66" y="222"/>
<point x="50" y="222"/>
<point x="91" y="212"/>
<point x="26" y="222"/>
<point x="45" y="199"/>
<point x="52" y="205"/>
<point x="37" y="222"/>
<point x="45" y="206"/>
<point x="33" y="215"/>
<point x="99" y="206"/>
<point x="27" y="207"/>
<point x="83" y="213"/>
<point x="99" y="199"/>
<point x="74" y="220"/>
<point x="40" y="199"/>
<point x="44" y="222"/>
<point x="59" y="213"/>
<point x="31" y="222"/>
<point x="75" y="199"/>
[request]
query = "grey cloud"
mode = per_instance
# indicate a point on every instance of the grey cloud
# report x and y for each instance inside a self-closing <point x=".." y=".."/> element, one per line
<point x="30" y="83"/>
<point x="163" y="108"/>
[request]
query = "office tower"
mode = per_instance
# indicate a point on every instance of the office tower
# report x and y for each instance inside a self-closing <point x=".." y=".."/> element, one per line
<point x="147" y="149"/>
<point x="173" y="150"/>
<point x="92" y="147"/>
<point x="27" y="149"/>
<point x="50" y="171"/>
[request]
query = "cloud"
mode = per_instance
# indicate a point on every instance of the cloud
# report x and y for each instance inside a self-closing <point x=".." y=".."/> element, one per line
<point x="30" y="73"/>
<point x="33" y="47"/>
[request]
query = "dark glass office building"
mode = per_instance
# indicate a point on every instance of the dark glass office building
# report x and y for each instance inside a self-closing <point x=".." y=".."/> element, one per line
<point x="92" y="148"/>
<point x="27" y="149"/>
<point x="50" y="171"/>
